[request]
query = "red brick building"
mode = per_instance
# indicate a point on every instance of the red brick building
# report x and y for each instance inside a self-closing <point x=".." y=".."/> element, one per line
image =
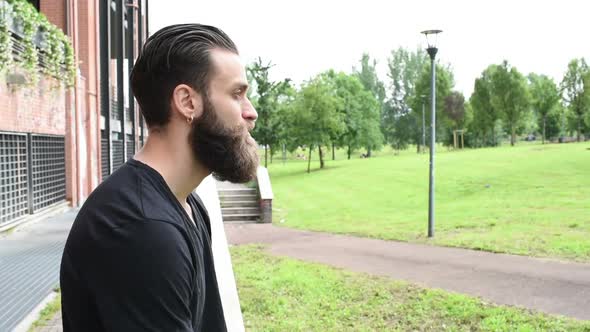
<point x="57" y="143"/>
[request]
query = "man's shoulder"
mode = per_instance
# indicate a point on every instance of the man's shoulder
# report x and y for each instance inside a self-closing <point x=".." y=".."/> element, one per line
<point x="132" y="193"/>
<point x="116" y="200"/>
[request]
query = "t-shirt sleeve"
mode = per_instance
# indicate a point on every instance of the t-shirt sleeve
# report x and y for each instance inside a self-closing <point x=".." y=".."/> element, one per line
<point x="145" y="280"/>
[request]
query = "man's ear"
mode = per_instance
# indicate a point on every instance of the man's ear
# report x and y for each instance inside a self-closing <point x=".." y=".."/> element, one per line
<point x="187" y="102"/>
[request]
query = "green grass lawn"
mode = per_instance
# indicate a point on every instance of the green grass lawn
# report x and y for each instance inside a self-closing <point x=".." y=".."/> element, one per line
<point x="530" y="199"/>
<point x="281" y="294"/>
<point x="47" y="314"/>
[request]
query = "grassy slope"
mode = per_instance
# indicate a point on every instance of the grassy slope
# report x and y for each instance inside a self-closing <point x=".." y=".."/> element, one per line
<point x="280" y="294"/>
<point x="529" y="199"/>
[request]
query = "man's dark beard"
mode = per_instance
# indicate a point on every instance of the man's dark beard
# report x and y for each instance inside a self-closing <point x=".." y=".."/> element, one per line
<point x="226" y="152"/>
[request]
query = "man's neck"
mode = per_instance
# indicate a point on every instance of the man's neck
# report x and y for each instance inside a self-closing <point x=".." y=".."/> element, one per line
<point x="175" y="162"/>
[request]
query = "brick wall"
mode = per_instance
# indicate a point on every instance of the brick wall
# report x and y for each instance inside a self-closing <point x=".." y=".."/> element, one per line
<point x="36" y="109"/>
<point x="89" y="67"/>
<point x="55" y="10"/>
<point x="73" y="113"/>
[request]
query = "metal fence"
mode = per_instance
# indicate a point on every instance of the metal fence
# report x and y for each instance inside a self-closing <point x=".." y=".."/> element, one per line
<point x="49" y="170"/>
<point x="118" y="153"/>
<point x="14" y="177"/>
<point x="104" y="154"/>
<point x="32" y="173"/>
<point x="130" y="147"/>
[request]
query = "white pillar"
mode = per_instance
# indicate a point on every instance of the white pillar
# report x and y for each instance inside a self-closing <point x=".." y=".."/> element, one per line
<point x="207" y="191"/>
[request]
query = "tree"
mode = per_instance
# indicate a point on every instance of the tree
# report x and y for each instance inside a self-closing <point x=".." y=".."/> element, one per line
<point x="359" y="110"/>
<point x="399" y="123"/>
<point x="544" y="99"/>
<point x="401" y="126"/>
<point x="367" y="75"/>
<point x="510" y="97"/>
<point x="455" y="109"/>
<point x="484" y="113"/>
<point x="265" y="100"/>
<point x="444" y="84"/>
<point x="575" y="88"/>
<point x="314" y="117"/>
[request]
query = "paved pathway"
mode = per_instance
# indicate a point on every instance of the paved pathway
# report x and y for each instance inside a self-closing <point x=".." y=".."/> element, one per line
<point x="29" y="266"/>
<point x="540" y="284"/>
<point x="29" y="261"/>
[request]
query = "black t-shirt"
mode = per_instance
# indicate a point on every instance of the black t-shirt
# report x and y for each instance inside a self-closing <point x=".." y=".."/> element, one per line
<point x="134" y="261"/>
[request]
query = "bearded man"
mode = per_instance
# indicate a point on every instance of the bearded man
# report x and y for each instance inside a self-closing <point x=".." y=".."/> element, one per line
<point x="138" y="256"/>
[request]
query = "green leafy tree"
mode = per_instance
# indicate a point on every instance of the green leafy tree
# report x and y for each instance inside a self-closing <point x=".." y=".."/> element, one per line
<point x="444" y="84"/>
<point x="485" y="115"/>
<point x="401" y="126"/>
<point x="359" y="110"/>
<point x="510" y="97"/>
<point x="455" y="113"/>
<point x="367" y="74"/>
<point x="400" y="123"/>
<point x="455" y="109"/>
<point x="314" y="117"/>
<point x="544" y="100"/>
<point x="265" y="99"/>
<point x="575" y="88"/>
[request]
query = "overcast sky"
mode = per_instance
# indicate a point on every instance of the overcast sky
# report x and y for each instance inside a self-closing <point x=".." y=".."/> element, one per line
<point x="305" y="37"/>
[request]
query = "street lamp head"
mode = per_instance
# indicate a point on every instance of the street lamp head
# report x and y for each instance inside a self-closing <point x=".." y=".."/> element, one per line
<point x="431" y="38"/>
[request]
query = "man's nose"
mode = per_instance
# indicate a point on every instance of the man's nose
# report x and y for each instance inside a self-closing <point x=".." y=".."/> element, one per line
<point x="249" y="113"/>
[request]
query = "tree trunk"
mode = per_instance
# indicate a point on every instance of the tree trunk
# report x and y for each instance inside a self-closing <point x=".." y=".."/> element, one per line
<point x="309" y="160"/>
<point x="493" y="136"/>
<point x="579" y="127"/>
<point x="418" y="148"/>
<point x="265" y="155"/>
<point x="270" y="147"/>
<point x="321" y="156"/>
<point x="333" y="152"/>
<point x="512" y="136"/>
<point x="349" y="152"/>
<point x="368" y="152"/>
<point x="544" y="120"/>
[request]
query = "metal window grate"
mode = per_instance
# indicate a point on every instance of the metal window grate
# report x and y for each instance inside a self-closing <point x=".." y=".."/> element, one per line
<point x="130" y="147"/>
<point x="13" y="177"/>
<point x="128" y="115"/>
<point x="118" y="157"/>
<point x="116" y="113"/>
<point x="104" y="153"/>
<point x="49" y="170"/>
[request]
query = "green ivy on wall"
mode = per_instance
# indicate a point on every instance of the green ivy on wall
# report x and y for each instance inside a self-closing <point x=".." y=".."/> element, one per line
<point x="36" y="33"/>
<point x="5" y="41"/>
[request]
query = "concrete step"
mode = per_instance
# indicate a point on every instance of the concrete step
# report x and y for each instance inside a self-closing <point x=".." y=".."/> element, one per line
<point x="242" y="218"/>
<point x="240" y="211"/>
<point x="249" y="203"/>
<point x="254" y="221"/>
<point x="232" y="198"/>
<point x="238" y="191"/>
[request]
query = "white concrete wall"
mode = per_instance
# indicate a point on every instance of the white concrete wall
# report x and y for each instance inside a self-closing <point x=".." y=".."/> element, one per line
<point x="223" y="266"/>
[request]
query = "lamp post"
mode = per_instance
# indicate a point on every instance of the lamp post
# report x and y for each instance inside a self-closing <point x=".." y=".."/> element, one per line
<point x="431" y="41"/>
<point x="423" y="124"/>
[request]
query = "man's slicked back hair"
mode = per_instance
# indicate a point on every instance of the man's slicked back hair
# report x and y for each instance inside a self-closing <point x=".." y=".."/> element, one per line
<point x="177" y="54"/>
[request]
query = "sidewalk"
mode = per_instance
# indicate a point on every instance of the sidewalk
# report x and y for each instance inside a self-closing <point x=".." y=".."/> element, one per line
<point x="29" y="266"/>
<point x="545" y="285"/>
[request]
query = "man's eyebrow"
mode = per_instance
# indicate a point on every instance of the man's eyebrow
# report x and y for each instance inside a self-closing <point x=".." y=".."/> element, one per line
<point x="241" y="85"/>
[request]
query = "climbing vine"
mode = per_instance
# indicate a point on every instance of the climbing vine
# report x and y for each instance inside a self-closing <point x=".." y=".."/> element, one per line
<point x="38" y="36"/>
